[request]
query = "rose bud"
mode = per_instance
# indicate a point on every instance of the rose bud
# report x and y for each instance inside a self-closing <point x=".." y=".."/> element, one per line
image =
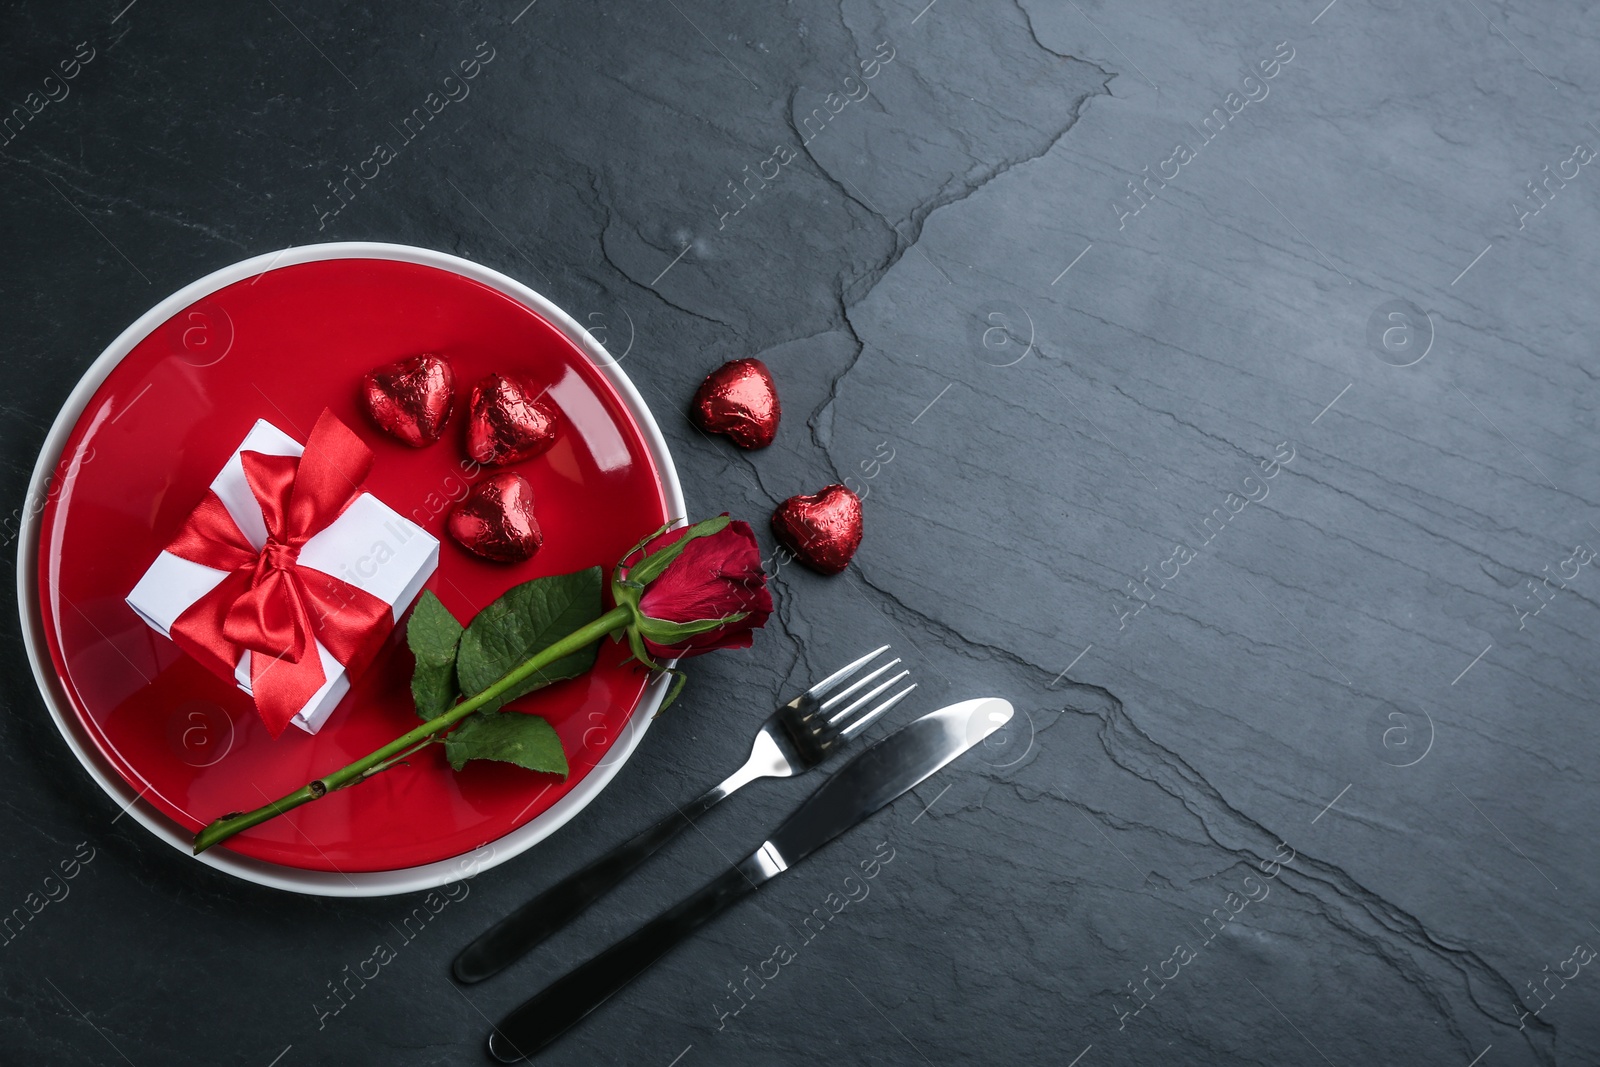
<point x="692" y="590"/>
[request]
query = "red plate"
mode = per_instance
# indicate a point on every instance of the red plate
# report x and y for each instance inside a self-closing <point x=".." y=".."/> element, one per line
<point x="151" y="426"/>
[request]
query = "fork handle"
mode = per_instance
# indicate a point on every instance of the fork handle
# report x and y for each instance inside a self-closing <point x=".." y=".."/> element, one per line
<point x="506" y="941"/>
<point x="551" y="1012"/>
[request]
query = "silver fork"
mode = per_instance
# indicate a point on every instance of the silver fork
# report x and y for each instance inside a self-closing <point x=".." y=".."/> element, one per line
<point x="794" y="739"/>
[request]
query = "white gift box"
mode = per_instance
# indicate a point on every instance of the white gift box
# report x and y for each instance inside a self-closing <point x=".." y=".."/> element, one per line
<point x="368" y="537"/>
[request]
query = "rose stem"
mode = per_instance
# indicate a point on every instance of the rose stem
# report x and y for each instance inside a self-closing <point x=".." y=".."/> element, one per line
<point x="225" y="827"/>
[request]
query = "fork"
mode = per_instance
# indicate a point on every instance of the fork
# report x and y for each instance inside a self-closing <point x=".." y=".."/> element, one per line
<point x="793" y="740"/>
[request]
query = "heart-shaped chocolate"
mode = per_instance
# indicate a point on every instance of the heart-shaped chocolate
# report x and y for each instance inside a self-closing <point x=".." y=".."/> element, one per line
<point x="495" y="520"/>
<point x="506" y="424"/>
<point x="739" y="399"/>
<point x="822" y="530"/>
<point x="410" y="398"/>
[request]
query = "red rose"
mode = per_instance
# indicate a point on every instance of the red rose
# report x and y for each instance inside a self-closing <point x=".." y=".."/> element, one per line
<point x="718" y="576"/>
<point x="695" y="589"/>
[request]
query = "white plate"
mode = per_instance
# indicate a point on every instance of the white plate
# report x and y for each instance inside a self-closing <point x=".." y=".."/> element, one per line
<point x="323" y="883"/>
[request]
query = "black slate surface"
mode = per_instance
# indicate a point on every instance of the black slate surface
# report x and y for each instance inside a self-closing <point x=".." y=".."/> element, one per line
<point x="1325" y="720"/>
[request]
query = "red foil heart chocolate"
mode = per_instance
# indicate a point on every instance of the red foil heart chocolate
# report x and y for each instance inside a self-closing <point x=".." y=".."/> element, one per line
<point x="739" y="399"/>
<point x="823" y="530"/>
<point x="410" y="398"/>
<point x="496" y="521"/>
<point x="506" y="423"/>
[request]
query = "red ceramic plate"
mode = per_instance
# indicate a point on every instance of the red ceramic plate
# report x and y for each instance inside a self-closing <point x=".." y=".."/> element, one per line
<point x="280" y="338"/>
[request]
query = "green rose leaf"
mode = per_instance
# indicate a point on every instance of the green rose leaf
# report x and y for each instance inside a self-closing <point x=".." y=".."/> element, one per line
<point x="527" y="619"/>
<point x="433" y="634"/>
<point x="510" y="737"/>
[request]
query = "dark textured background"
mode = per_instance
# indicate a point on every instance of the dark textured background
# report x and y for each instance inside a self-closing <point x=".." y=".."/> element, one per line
<point x="1354" y="636"/>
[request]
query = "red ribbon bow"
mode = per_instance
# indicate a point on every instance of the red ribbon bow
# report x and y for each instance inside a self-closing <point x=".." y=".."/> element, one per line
<point x="269" y="603"/>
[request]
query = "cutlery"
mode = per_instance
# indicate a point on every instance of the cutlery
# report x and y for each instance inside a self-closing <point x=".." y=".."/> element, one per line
<point x="859" y="788"/>
<point x="794" y="739"/>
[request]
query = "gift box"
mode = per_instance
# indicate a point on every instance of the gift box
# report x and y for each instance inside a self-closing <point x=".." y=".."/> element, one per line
<point x="286" y="577"/>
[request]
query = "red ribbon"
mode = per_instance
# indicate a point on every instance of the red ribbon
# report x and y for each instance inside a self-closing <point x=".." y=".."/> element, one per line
<point x="269" y="603"/>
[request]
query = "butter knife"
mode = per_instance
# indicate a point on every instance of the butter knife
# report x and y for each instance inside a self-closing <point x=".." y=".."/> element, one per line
<point x="858" y="789"/>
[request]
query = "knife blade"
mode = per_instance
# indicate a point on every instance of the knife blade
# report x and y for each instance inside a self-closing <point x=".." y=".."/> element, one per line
<point x="858" y="789"/>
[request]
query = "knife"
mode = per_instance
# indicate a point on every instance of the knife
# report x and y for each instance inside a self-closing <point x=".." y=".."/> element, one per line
<point x="859" y="788"/>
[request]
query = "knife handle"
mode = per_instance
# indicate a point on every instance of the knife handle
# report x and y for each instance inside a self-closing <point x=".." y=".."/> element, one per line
<point x="551" y="1012"/>
<point x="511" y="937"/>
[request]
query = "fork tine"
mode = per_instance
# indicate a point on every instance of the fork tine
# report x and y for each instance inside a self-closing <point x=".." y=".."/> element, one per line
<point x="861" y="701"/>
<point x="840" y="696"/>
<point x="861" y="723"/>
<point x="827" y="685"/>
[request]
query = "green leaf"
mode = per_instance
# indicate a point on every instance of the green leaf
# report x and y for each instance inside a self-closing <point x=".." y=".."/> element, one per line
<point x="510" y="737"/>
<point x="527" y="619"/>
<point x="433" y="634"/>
